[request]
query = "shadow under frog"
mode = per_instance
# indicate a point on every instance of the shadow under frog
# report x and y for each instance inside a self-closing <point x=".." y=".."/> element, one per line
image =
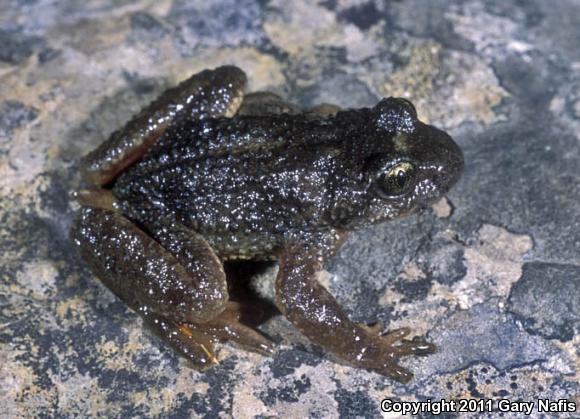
<point x="206" y="174"/>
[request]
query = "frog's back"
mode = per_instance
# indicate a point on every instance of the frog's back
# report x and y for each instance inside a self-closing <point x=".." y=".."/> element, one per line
<point x="188" y="140"/>
<point x="250" y="177"/>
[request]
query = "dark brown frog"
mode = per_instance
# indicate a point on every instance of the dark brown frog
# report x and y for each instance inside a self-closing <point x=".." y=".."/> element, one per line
<point x="205" y="175"/>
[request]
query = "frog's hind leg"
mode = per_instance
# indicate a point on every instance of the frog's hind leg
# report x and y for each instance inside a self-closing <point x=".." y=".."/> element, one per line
<point x="169" y="275"/>
<point x="161" y="286"/>
<point x="186" y="245"/>
<point x="211" y="93"/>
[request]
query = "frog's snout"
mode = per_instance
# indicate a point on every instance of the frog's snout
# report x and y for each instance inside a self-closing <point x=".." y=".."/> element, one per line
<point x="442" y="160"/>
<point x="453" y="162"/>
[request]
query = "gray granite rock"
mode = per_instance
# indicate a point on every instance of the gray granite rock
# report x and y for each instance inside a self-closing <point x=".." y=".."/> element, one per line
<point x="13" y="115"/>
<point x="546" y="300"/>
<point x="487" y="336"/>
<point x="490" y="274"/>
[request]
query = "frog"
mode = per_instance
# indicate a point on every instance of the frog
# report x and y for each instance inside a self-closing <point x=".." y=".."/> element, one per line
<point x="207" y="174"/>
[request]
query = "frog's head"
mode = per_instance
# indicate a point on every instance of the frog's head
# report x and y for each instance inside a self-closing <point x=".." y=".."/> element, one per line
<point x="405" y="165"/>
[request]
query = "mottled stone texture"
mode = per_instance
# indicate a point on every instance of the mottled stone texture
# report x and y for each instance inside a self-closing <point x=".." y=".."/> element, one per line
<point x="491" y="274"/>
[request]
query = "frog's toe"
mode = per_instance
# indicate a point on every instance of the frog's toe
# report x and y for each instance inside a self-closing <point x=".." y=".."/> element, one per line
<point x="246" y="337"/>
<point x="400" y="347"/>
<point x="395" y="335"/>
<point x="395" y="371"/>
<point x="417" y="346"/>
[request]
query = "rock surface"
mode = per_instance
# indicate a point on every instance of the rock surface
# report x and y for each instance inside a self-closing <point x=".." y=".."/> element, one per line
<point x="491" y="274"/>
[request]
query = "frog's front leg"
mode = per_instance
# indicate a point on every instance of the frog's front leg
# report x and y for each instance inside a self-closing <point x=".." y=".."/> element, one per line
<point x="170" y="276"/>
<point x="315" y="312"/>
<point x="210" y="93"/>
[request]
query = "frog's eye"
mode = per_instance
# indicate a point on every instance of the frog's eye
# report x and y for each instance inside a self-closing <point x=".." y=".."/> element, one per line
<point x="397" y="180"/>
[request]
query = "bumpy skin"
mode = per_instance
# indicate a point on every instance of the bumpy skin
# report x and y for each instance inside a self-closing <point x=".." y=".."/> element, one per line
<point x="172" y="203"/>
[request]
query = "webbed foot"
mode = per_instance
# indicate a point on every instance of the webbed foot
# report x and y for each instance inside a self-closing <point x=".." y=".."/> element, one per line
<point x="387" y="349"/>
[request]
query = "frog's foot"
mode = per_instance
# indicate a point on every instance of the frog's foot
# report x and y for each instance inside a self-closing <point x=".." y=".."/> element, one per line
<point x="417" y="346"/>
<point x="393" y="347"/>
<point x="382" y="353"/>
<point x="195" y="341"/>
<point x="228" y="327"/>
<point x="196" y="347"/>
